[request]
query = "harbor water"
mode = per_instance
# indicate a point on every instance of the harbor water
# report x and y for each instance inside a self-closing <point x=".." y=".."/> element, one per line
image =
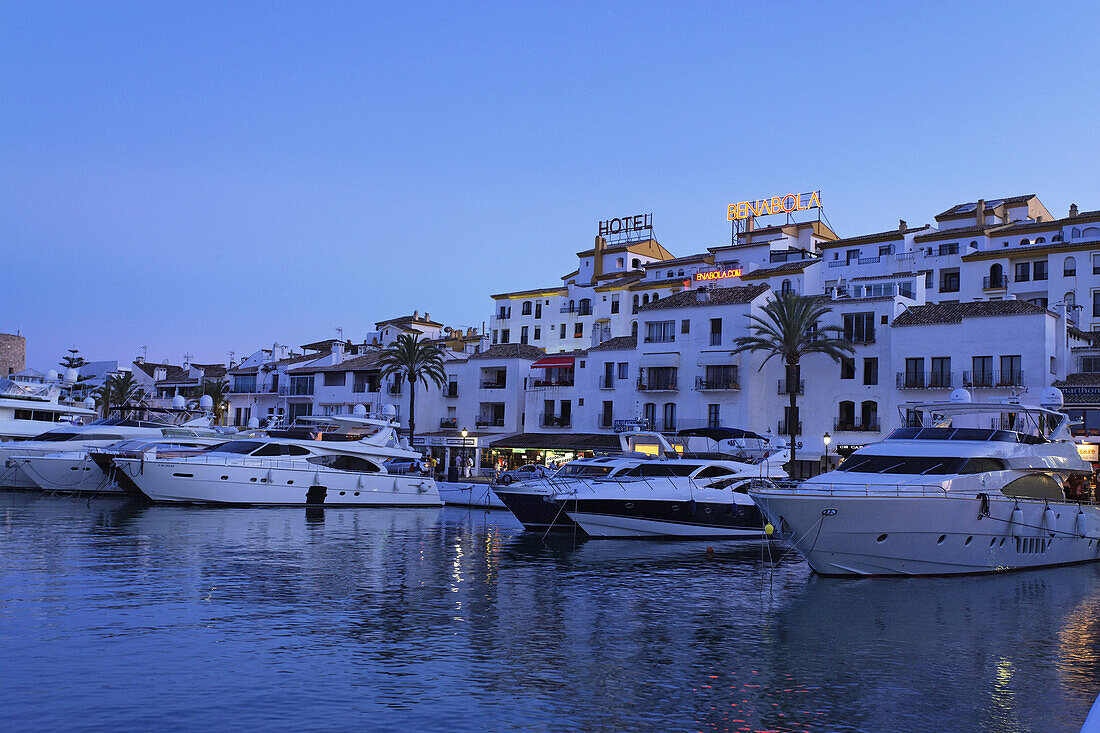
<point x="120" y="616"/>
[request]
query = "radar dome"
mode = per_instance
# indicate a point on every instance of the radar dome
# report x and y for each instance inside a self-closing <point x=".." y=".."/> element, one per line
<point x="89" y="402"/>
<point x="1051" y="398"/>
<point x="71" y="375"/>
<point x="960" y="395"/>
<point x="179" y="402"/>
<point x="253" y="422"/>
<point x="51" y="375"/>
<point x="206" y="402"/>
<point x="359" y="410"/>
<point x="389" y="412"/>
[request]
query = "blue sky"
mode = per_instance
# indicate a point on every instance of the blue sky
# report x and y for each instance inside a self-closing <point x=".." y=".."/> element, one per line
<point x="207" y="177"/>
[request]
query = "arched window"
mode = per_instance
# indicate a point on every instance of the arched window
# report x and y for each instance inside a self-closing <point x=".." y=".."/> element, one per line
<point x="619" y="262"/>
<point x="670" y="416"/>
<point x="1056" y="238"/>
<point x="649" y="412"/>
<point x="1070" y="299"/>
<point x="974" y="244"/>
<point x="634" y="306"/>
<point x="635" y="263"/>
<point x="655" y="296"/>
<point x="1024" y="242"/>
<point x="585" y="308"/>
<point x="1088" y="232"/>
<point x="680" y="273"/>
<point x="669" y="274"/>
<point x="1069" y="267"/>
<point x="1075" y="233"/>
<point x="526" y="310"/>
<point x="996" y="275"/>
<point x="1039" y="240"/>
<point x="786" y="286"/>
<point x="846" y="415"/>
<point x="869" y="415"/>
<point x="572" y="306"/>
<point x="645" y="299"/>
<point x="634" y="329"/>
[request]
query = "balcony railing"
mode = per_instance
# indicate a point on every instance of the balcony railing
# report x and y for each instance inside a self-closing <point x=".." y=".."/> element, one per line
<point x="782" y="428"/>
<point x="863" y="338"/>
<point x="633" y="423"/>
<point x="869" y="260"/>
<point x="494" y="385"/>
<point x="702" y="384"/>
<point x="994" y="378"/>
<point x="448" y="423"/>
<point x="838" y="263"/>
<point x="555" y="421"/>
<point x="925" y="380"/>
<point x="451" y="390"/>
<point x="544" y="383"/>
<point x="488" y="422"/>
<point x="787" y="386"/>
<point x="607" y="383"/>
<point x="301" y="389"/>
<point x="657" y="385"/>
<point x="855" y="426"/>
<point x="995" y="283"/>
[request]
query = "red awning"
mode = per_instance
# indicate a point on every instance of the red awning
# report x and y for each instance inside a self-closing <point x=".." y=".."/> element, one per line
<point x="553" y="361"/>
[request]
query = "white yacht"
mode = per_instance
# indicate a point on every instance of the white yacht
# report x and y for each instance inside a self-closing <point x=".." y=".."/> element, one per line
<point x="286" y="468"/>
<point x="16" y="473"/>
<point x="656" y="488"/>
<point x="28" y="409"/>
<point x="967" y="488"/>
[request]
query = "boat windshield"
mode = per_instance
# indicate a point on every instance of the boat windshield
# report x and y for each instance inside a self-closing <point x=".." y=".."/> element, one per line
<point x="57" y="437"/>
<point x="920" y="465"/>
<point x="236" y="446"/>
<point x="571" y="470"/>
<point x="979" y="434"/>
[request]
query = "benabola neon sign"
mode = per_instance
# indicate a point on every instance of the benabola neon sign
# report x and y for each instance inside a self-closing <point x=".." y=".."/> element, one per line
<point x="716" y="275"/>
<point x="775" y="205"/>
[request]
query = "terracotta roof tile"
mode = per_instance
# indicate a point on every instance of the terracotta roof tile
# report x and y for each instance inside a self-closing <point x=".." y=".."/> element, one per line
<point x="618" y="343"/>
<point x="511" y="351"/>
<point x="919" y="315"/>
<point x="716" y="296"/>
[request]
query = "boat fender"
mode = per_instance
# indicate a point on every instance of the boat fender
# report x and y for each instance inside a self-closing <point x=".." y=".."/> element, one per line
<point x="396" y="485"/>
<point x="769" y="530"/>
<point x="1049" y="520"/>
<point x="1016" y="521"/>
<point x="983" y="511"/>
<point x="359" y="482"/>
<point x="1079" y="525"/>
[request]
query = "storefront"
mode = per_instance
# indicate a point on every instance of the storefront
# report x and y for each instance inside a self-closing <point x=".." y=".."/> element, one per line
<point x="550" y="449"/>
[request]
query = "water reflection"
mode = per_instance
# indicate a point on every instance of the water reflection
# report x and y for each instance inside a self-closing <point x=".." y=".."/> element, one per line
<point x="124" y="614"/>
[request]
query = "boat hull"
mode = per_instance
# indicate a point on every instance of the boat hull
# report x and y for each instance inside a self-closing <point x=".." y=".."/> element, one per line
<point x="535" y="509"/>
<point x="285" y="484"/>
<point x="68" y="472"/>
<point x="675" y="518"/>
<point x="469" y="494"/>
<point x="859" y="535"/>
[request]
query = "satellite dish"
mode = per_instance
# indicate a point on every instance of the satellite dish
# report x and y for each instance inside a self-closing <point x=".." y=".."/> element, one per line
<point x="1051" y="398"/>
<point x="389" y="412"/>
<point x="206" y="402"/>
<point x="51" y="375"/>
<point x="71" y="375"/>
<point x="89" y="403"/>
<point x="960" y="396"/>
<point x="179" y="402"/>
<point x="359" y="410"/>
<point x="253" y="422"/>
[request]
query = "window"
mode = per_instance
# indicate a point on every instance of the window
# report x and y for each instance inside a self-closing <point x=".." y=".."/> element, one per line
<point x="885" y="249"/>
<point x="914" y="372"/>
<point x="245" y="384"/>
<point x="1039" y="270"/>
<point x="494" y="336"/>
<point x="614" y="304"/>
<point x="1096" y="303"/>
<point x="847" y="368"/>
<point x="633" y="329"/>
<point x="846" y="415"/>
<point x="635" y="263"/>
<point x="301" y="385"/>
<point x="523" y="334"/>
<point x="1090" y="364"/>
<point x="584" y="307"/>
<point x="538" y="333"/>
<point x="1096" y="264"/>
<point x="335" y="379"/>
<point x="1069" y="267"/>
<point x="619" y="262"/>
<point x="634" y="305"/>
<point x="578" y="330"/>
<point x="941" y="372"/>
<point x="649" y="412"/>
<point x="714" y="416"/>
<point x="669" y="274"/>
<point x="715" y="331"/>
<point x="786" y="286"/>
<point x="982" y="375"/>
<point x="685" y="326"/>
<point x="928" y="280"/>
<point x="526" y="310"/>
<point x="661" y="331"/>
<point x="1023" y="271"/>
<point x="624" y="370"/>
<point x="670" y="416"/>
<point x="1011" y="373"/>
<point x="859" y="327"/>
<point x="870" y="370"/>
<point x="721" y="376"/>
<point x="561" y="333"/>
<point x="605" y="414"/>
<point x="505" y="336"/>
<point x="949" y="281"/>
<point x="655" y="297"/>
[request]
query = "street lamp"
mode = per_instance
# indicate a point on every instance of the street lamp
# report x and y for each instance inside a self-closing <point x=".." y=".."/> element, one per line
<point x="827" y="439"/>
<point x="465" y="432"/>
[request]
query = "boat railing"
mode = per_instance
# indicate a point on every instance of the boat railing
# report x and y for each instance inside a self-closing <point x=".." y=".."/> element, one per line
<point x="840" y="488"/>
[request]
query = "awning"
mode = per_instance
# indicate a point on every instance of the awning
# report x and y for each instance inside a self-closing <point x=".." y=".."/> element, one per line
<point x="559" y="441"/>
<point x="716" y="357"/>
<point x="660" y="360"/>
<point x="547" y="362"/>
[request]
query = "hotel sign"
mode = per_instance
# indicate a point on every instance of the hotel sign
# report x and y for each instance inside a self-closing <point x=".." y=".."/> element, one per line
<point x="775" y="205"/>
<point x="628" y="225"/>
<point x="1089" y="452"/>
<point x="716" y="275"/>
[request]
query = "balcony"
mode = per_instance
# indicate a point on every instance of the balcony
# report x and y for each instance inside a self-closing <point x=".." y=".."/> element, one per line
<point x="838" y="263"/>
<point x="555" y="421"/>
<point x="787" y="386"/>
<point x="782" y="428"/>
<point x="451" y="390"/>
<point x="658" y="385"/>
<point x="850" y="426"/>
<point x="994" y="378"/>
<point x="949" y="287"/>
<point x="634" y="423"/>
<point x="448" y="423"/>
<point x="607" y="383"/>
<point x="861" y="339"/>
<point x="702" y="384"/>
<point x="489" y="422"/>
<point x="297" y="390"/>
<point x="995" y="283"/>
<point x="870" y="260"/>
<point x="496" y="384"/>
<point x="924" y="380"/>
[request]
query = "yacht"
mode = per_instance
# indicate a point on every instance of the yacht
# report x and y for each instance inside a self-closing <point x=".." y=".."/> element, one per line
<point x="344" y="466"/>
<point x="656" y="488"/>
<point x="17" y="473"/>
<point x="962" y="487"/>
<point x="28" y="409"/>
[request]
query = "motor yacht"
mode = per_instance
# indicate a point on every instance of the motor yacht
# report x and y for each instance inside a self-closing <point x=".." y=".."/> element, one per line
<point x="656" y="488"/>
<point x="17" y="473"/>
<point x="962" y="487"/>
<point x="344" y="466"/>
<point x="28" y="409"/>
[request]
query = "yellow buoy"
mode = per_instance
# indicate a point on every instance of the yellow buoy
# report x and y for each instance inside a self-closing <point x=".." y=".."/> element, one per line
<point x="769" y="530"/>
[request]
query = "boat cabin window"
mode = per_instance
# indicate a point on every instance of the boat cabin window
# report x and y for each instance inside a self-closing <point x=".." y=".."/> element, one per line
<point x="1034" y="486"/>
<point x="237" y="446"/>
<point x="735" y="483"/>
<point x="571" y="470"/>
<point x="1003" y="436"/>
<point x="280" y="449"/>
<point x="919" y="465"/>
<point x="679" y="469"/>
<point x="346" y="463"/>
<point x="100" y="436"/>
<point x="56" y="437"/>
<point x="712" y="471"/>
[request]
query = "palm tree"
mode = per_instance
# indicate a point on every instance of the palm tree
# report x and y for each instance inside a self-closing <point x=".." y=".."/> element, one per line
<point x="788" y="329"/>
<point x="218" y="390"/>
<point x="125" y="391"/>
<point x="413" y="360"/>
<point x="102" y="397"/>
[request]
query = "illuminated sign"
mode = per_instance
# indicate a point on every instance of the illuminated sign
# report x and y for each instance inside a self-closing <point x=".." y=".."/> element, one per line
<point x="716" y="275"/>
<point x="1089" y="452"/>
<point x="627" y="225"/>
<point x="775" y="205"/>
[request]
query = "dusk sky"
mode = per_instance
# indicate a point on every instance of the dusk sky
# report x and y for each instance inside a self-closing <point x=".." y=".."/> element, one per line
<point x="214" y="177"/>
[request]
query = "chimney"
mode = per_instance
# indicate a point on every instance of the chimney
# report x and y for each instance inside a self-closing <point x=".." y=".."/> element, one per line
<point x="902" y="226"/>
<point x="980" y="215"/>
<point x="702" y="295"/>
<point x="139" y="360"/>
<point x="426" y="316"/>
<point x="1072" y="210"/>
<point x="416" y="314"/>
